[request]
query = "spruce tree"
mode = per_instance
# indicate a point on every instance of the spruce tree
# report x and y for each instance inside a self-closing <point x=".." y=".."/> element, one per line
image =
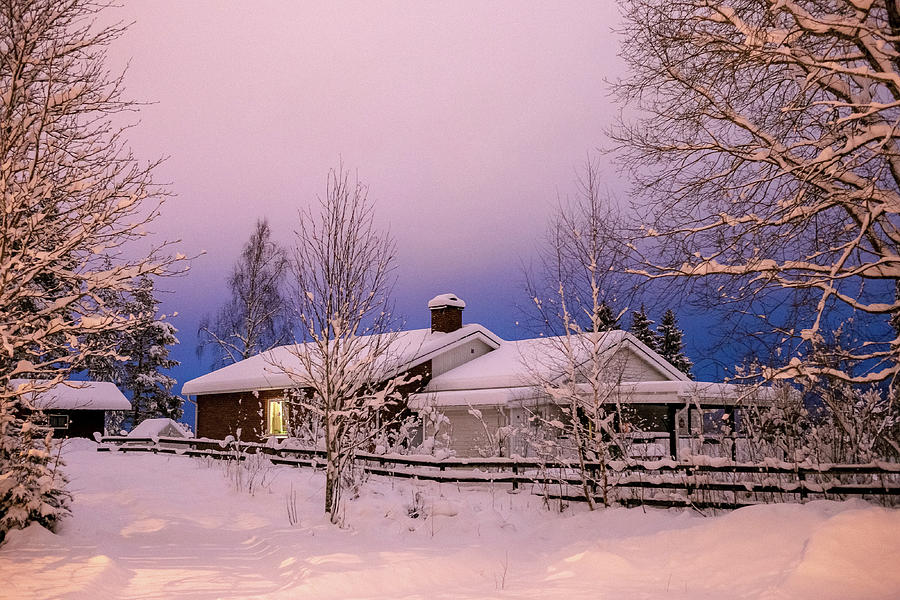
<point x="606" y="319"/>
<point x="143" y="355"/>
<point x="147" y="345"/>
<point x="640" y="328"/>
<point x="32" y="486"/>
<point x="670" y="344"/>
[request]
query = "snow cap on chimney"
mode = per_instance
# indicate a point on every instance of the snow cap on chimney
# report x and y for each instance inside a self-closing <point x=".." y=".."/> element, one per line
<point x="446" y="312"/>
<point x="442" y="300"/>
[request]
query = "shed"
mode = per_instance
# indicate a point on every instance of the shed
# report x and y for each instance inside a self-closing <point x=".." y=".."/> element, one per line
<point x="73" y="408"/>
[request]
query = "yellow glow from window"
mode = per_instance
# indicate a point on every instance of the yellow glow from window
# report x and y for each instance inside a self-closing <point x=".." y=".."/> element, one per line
<point x="277" y="420"/>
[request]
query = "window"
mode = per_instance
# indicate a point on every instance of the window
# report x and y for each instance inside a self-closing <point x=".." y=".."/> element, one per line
<point x="59" y="421"/>
<point x="277" y="417"/>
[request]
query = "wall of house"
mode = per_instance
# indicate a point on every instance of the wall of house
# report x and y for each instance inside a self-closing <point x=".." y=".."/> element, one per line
<point x="637" y="368"/>
<point x="221" y="415"/>
<point x="458" y="356"/>
<point x="82" y="423"/>
<point x="467" y="434"/>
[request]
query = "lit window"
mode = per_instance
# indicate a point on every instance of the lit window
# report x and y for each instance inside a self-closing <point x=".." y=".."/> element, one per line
<point x="277" y="417"/>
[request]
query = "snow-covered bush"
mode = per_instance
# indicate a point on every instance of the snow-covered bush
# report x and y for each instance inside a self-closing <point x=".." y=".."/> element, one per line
<point x="493" y="440"/>
<point x="435" y="435"/>
<point x="247" y="471"/>
<point x="839" y="424"/>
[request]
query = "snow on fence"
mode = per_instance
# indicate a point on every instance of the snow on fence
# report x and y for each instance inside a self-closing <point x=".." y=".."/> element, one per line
<point x="694" y="481"/>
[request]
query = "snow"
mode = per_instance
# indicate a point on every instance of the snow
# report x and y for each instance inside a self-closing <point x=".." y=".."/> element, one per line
<point x="180" y="530"/>
<point x="522" y="362"/>
<point x="154" y="428"/>
<point x="505" y="396"/>
<point x="508" y="375"/>
<point x="442" y="300"/>
<point x="75" y="395"/>
<point x="267" y="370"/>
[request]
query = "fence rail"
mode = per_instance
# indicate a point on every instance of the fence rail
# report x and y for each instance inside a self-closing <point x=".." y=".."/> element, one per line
<point x="697" y="481"/>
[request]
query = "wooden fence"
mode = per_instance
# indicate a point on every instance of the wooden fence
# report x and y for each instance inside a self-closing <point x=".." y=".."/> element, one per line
<point x="696" y="481"/>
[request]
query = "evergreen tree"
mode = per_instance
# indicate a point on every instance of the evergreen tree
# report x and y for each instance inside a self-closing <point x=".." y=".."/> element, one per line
<point x="606" y="319"/>
<point x="147" y="345"/>
<point x="640" y="328"/>
<point x="143" y="354"/>
<point x="32" y="486"/>
<point x="670" y="344"/>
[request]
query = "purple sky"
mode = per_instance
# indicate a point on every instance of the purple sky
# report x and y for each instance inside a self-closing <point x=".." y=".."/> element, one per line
<point x="466" y="120"/>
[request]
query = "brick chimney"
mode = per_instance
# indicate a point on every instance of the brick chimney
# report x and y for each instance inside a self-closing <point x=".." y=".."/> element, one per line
<point x="446" y="312"/>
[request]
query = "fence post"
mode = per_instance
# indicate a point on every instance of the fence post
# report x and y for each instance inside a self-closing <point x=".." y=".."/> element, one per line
<point x="515" y="471"/>
<point x="671" y="414"/>
<point x="801" y="477"/>
<point x="688" y="486"/>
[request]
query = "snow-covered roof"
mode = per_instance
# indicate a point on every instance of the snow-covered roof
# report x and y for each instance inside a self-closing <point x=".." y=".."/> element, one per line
<point x="73" y="395"/>
<point x="640" y="392"/>
<point x="505" y="396"/>
<point x="442" y="300"/>
<point x="703" y="391"/>
<point x="523" y="362"/>
<point x="267" y="371"/>
<point x="150" y="428"/>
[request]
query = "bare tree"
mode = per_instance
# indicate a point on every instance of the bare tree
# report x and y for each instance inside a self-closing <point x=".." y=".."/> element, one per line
<point x="766" y="149"/>
<point x="583" y="258"/>
<point x="256" y="317"/>
<point x="345" y="374"/>
<point x="580" y="368"/>
<point x="71" y="197"/>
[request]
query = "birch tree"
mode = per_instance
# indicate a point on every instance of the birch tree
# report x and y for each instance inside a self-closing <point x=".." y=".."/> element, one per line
<point x="344" y="370"/>
<point x="767" y="151"/>
<point x="71" y="198"/>
<point x="579" y="369"/>
<point x="255" y="318"/>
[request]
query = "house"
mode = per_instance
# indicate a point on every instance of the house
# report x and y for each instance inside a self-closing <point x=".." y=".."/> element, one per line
<point x="74" y="408"/>
<point x="248" y="397"/>
<point x="481" y="383"/>
<point x="507" y="388"/>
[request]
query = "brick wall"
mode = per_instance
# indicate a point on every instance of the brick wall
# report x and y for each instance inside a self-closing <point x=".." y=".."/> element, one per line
<point x="220" y="415"/>
<point x="446" y="319"/>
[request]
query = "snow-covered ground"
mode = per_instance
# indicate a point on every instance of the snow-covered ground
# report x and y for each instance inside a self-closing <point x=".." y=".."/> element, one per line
<point x="147" y="526"/>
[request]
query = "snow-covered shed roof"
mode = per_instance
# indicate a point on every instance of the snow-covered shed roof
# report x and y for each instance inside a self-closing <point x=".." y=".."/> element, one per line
<point x="523" y="362"/>
<point x="73" y="395"/>
<point x="150" y="428"/>
<point x="268" y="370"/>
